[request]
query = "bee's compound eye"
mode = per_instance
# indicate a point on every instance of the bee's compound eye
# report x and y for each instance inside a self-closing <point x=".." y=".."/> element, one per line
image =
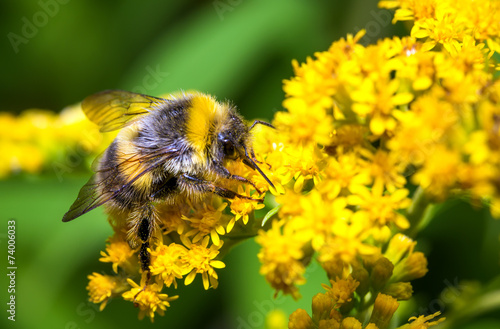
<point x="229" y="150"/>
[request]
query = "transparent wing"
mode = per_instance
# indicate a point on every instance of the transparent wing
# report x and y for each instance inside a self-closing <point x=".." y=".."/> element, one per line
<point x="103" y="188"/>
<point x="114" y="109"/>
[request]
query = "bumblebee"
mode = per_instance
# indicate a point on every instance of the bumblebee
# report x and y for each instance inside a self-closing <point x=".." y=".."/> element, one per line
<point x="168" y="149"/>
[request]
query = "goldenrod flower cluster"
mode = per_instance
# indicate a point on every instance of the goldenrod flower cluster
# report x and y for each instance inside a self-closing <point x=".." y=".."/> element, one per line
<point x="370" y="137"/>
<point x="39" y="140"/>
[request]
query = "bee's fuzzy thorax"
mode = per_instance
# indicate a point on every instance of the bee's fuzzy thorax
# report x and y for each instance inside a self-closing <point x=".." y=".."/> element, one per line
<point x="204" y="115"/>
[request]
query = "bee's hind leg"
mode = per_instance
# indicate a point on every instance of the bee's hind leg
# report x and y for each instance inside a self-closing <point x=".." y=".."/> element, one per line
<point x="144" y="232"/>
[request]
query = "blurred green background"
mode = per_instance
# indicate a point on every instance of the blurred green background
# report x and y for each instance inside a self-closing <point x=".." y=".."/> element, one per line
<point x="55" y="53"/>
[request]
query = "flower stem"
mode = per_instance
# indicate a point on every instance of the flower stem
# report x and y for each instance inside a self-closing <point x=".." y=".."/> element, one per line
<point x="418" y="211"/>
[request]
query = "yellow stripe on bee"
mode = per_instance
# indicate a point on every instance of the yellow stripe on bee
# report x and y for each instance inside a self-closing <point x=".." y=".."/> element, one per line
<point x="203" y="115"/>
<point x="127" y="154"/>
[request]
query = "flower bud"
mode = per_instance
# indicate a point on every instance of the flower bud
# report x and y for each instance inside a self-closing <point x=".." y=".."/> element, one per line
<point x="399" y="290"/>
<point x="321" y="307"/>
<point x="411" y="268"/>
<point x="300" y="320"/>
<point x="350" y="323"/>
<point x="381" y="273"/>
<point x="399" y="245"/>
<point x="383" y="310"/>
<point x="361" y="275"/>
<point x="329" y="324"/>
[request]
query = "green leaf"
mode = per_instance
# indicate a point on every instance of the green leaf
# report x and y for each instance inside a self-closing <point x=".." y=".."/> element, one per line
<point x="270" y="214"/>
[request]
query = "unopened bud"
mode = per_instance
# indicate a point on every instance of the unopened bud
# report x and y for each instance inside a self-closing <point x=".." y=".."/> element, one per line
<point x="300" y="320"/>
<point x="361" y="275"/>
<point x="383" y="310"/>
<point x="399" y="245"/>
<point x="411" y="268"/>
<point x="381" y="273"/>
<point x="350" y="323"/>
<point x="399" y="290"/>
<point x="322" y="305"/>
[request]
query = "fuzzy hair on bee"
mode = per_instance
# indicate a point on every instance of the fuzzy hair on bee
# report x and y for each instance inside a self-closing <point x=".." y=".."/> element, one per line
<point x="168" y="149"/>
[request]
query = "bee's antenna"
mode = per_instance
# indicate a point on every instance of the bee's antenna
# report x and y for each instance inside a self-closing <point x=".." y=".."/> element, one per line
<point x="254" y="165"/>
<point x="260" y="122"/>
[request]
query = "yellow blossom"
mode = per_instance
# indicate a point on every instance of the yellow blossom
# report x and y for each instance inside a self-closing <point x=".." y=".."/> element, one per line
<point x="304" y="163"/>
<point x="421" y="322"/>
<point x="148" y="298"/>
<point x="341" y="290"/>
<point x="201" y="259"/>
<point x="241" y="208"/>
<point x="281" y="256"/>
<point x="318" y="217"/>
<point x="119" y="253"/>
<point x="169" y="263"/>
<point x="206" y="221"/>
<point x="377" y="100"/>
<point x="102" y="287"/>
<point x="384" y="167"/>
<point x="342" y="173"/>
<point x="347" y="243"/>
<point x="439" y="172"/>
<point x="381" y="209"/>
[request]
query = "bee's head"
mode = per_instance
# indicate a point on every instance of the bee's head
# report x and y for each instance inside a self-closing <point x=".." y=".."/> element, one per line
<point x="232" y="138"/>
<point x="234" y="143"/>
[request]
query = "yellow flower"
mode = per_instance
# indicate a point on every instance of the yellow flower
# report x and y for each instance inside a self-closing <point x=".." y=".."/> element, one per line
<point x="148" y="298"/>
<point x="421" y="322"/>
<point x="439" y="172"/>
<point x="347" y="242"/>
<point x="385" y="168"/>
<point x="201" y="259"/>
<point x="206" y="221"/>
<point x="377" y="100"/>
<point x="119" y="253"/>
<point x="169" y="263"/>
<point x="378" y="208"/>
<point x="411" y="9"/>
<point x="281" y="256"/>
<point x="170" y="217"/>
<point x="296" y="123"/>
<point x="241" y="208"/>
<point x="341" y="173"/>
<point x="341" y="290"/>
<point x="319" y="216"/>
<point x="304" y="163"/>
<point x="102" y="287"/>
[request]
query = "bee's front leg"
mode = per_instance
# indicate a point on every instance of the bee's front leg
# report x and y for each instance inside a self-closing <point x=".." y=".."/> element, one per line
<point x="221" y="170"/>
<point x="204" y="186"/>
